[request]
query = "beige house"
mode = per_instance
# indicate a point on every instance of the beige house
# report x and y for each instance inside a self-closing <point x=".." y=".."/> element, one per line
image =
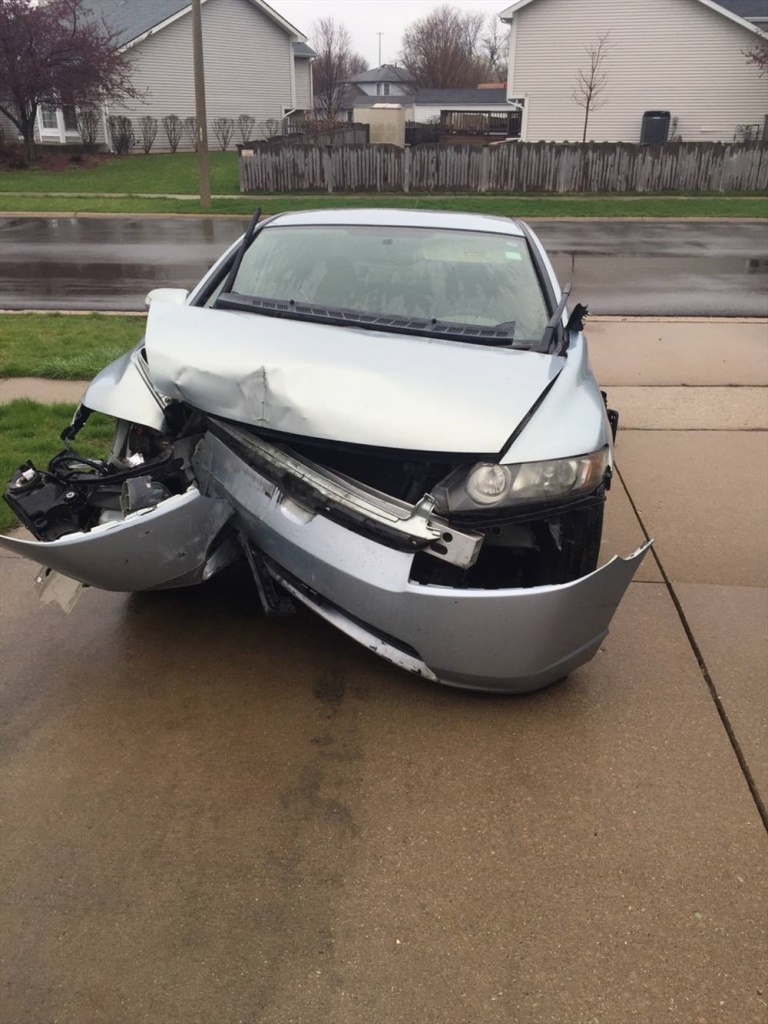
<point x="256" y="63"/>
<point x="684" y="57"/>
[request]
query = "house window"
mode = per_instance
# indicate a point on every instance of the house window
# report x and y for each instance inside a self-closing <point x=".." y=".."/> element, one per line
<point x="382" y="88"/>
<point x="70" y="119"/>
<point x="50" y="118"/>
<point x="57" y="123"/>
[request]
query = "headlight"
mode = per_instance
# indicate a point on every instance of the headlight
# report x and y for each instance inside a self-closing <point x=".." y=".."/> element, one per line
<point x="541" y="481"/>
<point x="490" y="484"/>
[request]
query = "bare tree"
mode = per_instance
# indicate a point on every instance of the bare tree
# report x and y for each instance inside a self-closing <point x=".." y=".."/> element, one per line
<point x="443" y="49"/>
<point x="147" y="131"/>
<point x="189" y="127"/>
<point x="245" y="124"/>
<point x="224" y="127"/>
<point x="591" y="80"/>
<point x="57" y="53"/>
<point x="494" y="49"/>
<point x="172" y="126"/>
<point x="334" y="65"/>
<point x="758" y="55"/>
<point x="357" y="63"/>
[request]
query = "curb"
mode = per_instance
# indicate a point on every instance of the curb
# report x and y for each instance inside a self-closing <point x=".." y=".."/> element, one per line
<point x="8" y="214"/>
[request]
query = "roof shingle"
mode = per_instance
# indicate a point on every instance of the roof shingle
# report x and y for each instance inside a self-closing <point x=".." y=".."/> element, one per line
<point x="132" y="18"/>
<point x="750" y="10"/>
<point x="386" y="73"/>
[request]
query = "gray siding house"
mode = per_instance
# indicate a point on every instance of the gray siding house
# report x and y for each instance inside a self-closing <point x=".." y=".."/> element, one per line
<point x="256" y="63"/>
<point x="681" y="56"/>
<point x="387" y="80"/>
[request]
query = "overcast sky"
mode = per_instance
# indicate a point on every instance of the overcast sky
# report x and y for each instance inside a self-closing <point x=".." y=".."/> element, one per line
<point x="364" y="18"/>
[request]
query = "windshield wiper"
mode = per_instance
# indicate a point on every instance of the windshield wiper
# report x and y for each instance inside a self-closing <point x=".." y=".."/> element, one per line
<point x="500" y="335"/>
<point x="554" y="326"/>
<point x="247" y="238"/>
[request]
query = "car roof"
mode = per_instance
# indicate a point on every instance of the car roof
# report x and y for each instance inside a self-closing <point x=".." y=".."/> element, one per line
<point x="400" y="218"/>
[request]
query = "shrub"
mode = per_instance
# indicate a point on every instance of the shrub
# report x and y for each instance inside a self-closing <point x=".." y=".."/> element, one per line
<point x="189" y="125"/>
<point x="120" y="130"/>
<point x="245" y="125"/>
<point x="13" y="155"/>
<point x="172" y="126"/>
<point x="88" y="119"/>
<point x="224" y="127"/>
<point x="273" y="127"/>
<point x="147" y="132"/>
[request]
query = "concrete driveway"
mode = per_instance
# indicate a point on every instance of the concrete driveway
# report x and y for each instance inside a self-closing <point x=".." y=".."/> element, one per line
<point x="213" y="817"/>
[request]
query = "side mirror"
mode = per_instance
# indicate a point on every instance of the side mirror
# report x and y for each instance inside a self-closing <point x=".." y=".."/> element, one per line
<point x="168" y="296"/>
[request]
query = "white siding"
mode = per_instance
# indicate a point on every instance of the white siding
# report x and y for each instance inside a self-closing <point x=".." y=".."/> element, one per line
<point x="303" y="84"/>
<point x="8" y="129"/>
<point x="375" y="89"/>
<point x="248" y="62"/>
<point x="675" y="55"/>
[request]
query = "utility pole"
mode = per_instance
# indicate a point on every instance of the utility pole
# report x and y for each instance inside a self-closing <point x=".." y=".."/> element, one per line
<point x="379" y="34"/>
<point x="200" y="114"/>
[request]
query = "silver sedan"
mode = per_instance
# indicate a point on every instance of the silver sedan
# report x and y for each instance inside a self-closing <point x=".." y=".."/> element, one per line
<point x="389" y="415"/>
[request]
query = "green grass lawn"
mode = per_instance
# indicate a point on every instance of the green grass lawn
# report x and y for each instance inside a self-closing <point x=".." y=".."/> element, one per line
<point x="30" y="430"/>
<point x="63" y="347"/>
<point x="509" y="205"/>
<point x="174" y="173"/>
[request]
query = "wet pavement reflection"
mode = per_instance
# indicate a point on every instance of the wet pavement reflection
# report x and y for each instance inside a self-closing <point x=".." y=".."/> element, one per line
<point x="665" y="268"/>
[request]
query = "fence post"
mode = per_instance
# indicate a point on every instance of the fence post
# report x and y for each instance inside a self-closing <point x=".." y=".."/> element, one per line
<point x="407" y="169"/>
<point x="328" y="169"/>
<point x="485" y="162"/>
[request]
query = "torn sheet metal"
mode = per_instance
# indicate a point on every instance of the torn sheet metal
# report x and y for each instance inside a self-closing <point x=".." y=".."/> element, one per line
<point x="148" y="549"/>
<point x="124" y="390"/>
<point x="343" y="383"/>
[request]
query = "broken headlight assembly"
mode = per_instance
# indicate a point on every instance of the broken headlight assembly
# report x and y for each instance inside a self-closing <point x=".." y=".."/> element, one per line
<point x="493" y="485"/>
<point x="75" y="493"/>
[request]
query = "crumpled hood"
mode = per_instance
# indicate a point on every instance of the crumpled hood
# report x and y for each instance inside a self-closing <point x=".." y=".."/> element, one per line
<point x="344" y="384"/>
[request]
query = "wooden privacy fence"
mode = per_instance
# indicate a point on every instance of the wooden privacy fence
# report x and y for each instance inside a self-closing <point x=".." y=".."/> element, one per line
<point x="513" y="167"/>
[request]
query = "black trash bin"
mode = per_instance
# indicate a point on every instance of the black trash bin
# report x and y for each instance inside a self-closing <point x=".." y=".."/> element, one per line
<point x="655" y="128"/>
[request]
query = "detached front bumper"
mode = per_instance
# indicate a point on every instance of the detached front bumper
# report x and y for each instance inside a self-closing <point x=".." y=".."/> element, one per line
<point x="500" y="640"/>
<point x="505" y="641"/>
<point x="175" y="543"/>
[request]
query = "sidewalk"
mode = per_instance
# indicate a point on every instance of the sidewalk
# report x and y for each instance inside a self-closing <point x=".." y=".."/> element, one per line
<point x="203" y="804"/>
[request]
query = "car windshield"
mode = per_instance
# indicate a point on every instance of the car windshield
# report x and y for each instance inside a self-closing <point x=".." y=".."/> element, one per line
<point x="465" y="277"/>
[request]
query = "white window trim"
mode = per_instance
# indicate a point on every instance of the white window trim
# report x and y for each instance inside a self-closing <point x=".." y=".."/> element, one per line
<point x="58" y="134"/>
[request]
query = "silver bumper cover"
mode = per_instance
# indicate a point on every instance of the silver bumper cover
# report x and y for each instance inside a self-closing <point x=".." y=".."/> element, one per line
<point x="169" y="545"/>
<point x="502" y="640"/>
<point x="494" y="640"/>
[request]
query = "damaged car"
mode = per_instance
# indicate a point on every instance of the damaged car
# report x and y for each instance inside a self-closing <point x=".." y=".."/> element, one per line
<point x="389" y="415"/>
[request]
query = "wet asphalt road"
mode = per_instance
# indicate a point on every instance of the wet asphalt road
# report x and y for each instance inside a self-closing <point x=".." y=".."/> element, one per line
<point x="640" y="268"/>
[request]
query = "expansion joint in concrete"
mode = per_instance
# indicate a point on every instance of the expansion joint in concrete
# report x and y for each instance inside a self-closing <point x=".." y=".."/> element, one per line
<point x="706" y="675"/>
